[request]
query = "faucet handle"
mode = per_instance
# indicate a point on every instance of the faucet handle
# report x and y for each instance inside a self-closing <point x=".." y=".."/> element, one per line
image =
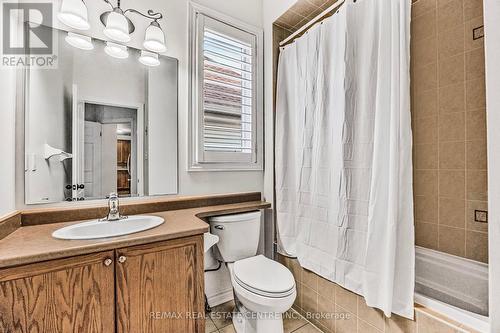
<point x="113" y="204"/>
<point x="113" y="201"/>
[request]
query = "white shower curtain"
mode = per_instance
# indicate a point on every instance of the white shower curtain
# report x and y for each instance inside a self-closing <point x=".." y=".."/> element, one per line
<point x="343" y="152"/>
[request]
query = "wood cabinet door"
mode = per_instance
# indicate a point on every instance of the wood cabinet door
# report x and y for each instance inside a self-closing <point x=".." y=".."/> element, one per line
<point x="120" y="159"/>
<point x="59" y="296"/>
<point x="159" y="287"/>
<point x="123" y="184"/>
<point x="127" y="148"/>
<point x="123" y="151"/>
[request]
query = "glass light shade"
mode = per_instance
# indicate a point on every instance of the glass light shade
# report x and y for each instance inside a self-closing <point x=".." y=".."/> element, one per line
<point x="79" y="41"/>
<point x="154" y="40"/>
<point x="117" y="27"/>
<point x="116" y="50"/>
<point x="73" y="13"/>
<point x="149" y="59"/>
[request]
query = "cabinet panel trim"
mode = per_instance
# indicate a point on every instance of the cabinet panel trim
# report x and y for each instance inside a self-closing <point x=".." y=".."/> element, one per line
<point x="20" y="272"/>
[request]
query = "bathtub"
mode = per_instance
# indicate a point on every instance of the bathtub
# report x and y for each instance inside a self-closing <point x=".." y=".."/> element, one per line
<point x="453" y="286"/>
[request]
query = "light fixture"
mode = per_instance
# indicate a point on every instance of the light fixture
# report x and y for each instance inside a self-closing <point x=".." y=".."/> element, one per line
<point x="117" y="26"/>
<point x="74" y="14"/>
<point x="149" y="58"/>
<point x="79" y="41"/>
<point x="154" y="39"/>
<point x="116" y="50"/>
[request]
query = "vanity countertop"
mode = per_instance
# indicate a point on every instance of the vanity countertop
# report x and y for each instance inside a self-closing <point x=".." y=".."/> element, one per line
<point x="30" y="244"/>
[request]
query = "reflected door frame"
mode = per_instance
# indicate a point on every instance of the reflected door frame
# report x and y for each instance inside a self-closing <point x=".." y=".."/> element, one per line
<point x="78" y="133"/>
<point x="133" y="187"/>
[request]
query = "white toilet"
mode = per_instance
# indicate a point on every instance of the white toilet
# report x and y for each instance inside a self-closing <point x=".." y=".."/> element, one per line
<point x="264" y="288"/>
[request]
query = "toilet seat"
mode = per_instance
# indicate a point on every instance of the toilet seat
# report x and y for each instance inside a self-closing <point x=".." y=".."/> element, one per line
<point x="264" y="277"/>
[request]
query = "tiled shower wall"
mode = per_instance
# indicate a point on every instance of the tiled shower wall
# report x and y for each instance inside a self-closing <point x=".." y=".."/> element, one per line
<point x="334" y="309"/>
<point x="449" y="126"/>
<point x="448" y="120"/>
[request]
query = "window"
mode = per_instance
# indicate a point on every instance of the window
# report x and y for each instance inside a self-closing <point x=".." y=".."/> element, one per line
<point x="226" y="107"/>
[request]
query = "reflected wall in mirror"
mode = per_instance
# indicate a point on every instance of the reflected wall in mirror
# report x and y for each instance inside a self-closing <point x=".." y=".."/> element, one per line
<point x="99" y="124"/>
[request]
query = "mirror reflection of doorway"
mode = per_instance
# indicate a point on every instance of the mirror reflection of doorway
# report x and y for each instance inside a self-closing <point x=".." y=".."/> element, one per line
<point x="112" y="157"/>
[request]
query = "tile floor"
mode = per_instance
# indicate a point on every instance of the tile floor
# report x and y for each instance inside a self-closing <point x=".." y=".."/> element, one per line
<point x="219" y="321"/>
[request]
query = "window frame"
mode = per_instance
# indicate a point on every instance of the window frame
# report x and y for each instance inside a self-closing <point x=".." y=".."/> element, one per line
<point x="199" y="160"/>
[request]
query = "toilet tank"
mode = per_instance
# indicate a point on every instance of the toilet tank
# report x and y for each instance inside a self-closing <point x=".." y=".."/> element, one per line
<point x="238" y="235"/>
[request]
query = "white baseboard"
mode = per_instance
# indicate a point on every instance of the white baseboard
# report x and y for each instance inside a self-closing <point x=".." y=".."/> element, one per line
<point x="220" y="298"/>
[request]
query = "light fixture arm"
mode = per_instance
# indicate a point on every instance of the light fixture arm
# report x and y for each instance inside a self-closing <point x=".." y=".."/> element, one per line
<point x="110" y="4"/>
<point x="150" y="15"/>
<point x="118" y="2"/>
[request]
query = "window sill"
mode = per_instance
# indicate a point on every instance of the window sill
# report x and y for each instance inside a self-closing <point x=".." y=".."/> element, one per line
<point x="220" y="167"/>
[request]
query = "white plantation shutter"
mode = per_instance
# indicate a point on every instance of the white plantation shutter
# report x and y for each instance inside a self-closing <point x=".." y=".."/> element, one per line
<point x="227" y="94"/>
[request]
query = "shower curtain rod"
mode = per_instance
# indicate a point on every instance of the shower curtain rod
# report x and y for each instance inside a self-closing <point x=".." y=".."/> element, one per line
<point x="309" y="24"/>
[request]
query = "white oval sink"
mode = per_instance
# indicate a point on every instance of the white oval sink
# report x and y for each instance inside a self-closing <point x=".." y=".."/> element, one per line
<point x="104" y="229"/>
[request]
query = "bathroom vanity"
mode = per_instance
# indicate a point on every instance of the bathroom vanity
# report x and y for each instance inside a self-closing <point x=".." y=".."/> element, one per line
<point x="150" y="281"/>
<point x="133" y="289"/>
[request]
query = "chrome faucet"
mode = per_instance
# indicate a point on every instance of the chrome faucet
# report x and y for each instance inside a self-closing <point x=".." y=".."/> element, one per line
<point x="114" y="209"/>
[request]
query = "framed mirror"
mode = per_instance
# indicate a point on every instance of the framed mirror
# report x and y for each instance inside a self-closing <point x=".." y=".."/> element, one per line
<point x="97" y="124"/>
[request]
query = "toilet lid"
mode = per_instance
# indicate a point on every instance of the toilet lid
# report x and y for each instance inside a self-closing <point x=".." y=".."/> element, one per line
<point x="264" y="276"/>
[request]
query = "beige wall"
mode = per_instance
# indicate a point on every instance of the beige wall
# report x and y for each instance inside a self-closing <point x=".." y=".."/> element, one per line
<point x="449" y="127"/>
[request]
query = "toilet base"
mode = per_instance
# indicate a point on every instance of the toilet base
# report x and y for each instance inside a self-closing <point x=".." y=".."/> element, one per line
<point x="245" y="321"/>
